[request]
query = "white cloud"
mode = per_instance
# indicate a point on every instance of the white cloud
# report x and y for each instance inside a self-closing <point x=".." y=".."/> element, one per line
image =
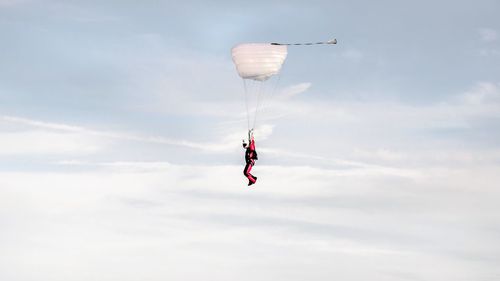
<point x="48" y="137"/>
<point x="157" y="219"/>
<point x="483" y="93"/>
<point x="293" y="90"/>
<point x="488" y="34"/>
<point x="482" y="101"/>
<point x="38" y="142"/>
<point x="40" y="137"/>
<point x="31" y="137"/>
<point x="41" y="124"/>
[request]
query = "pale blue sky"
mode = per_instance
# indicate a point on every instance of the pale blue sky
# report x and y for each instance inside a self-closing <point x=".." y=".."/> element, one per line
<point x="121" y="124"/>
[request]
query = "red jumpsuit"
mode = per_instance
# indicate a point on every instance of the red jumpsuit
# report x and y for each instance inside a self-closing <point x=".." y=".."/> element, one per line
<point x="250" y="157"/>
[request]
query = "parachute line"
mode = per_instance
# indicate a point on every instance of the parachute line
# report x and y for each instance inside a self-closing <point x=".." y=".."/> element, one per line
<point x="329" y="42"/>
<point x="259" y="96"/>
<point x="246" y="103"/>
<point x="268" y="96"/>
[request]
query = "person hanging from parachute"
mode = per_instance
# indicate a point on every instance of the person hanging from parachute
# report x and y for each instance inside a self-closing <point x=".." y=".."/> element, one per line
<point x="257" y="62"/>
<point x="250" y="157"/>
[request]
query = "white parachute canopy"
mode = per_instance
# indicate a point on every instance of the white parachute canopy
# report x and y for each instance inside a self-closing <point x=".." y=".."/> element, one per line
<point x="258" y="61"/>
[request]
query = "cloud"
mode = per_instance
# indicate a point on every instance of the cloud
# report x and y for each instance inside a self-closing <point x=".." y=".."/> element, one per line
<point x="40" y="137"/>
<point x="357" y="133"/>
<point x="488" y="34"/>
<point x="294" y="90"/>
<point x="71" y="138"/>
<point x="36" y="137"/>
<point x="42" y="125"/>
<point x="482" y="100"/>
<point x="141" y="213"/>
<point x="462" y="113"/>
<point x="483" y="93"/>
<point x="37" y="142"/>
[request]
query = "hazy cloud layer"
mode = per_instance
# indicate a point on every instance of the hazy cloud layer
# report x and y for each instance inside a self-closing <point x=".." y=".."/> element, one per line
<point x="156" y="219"/>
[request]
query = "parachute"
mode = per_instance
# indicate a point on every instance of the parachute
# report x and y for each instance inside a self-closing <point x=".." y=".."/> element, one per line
<point x="256" y="63"/>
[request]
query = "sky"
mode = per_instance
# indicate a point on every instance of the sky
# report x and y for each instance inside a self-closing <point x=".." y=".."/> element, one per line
<point x="120" y="142"/>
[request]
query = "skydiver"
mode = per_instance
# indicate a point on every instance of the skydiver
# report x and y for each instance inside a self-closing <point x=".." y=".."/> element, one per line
<point x="250" y="157"/>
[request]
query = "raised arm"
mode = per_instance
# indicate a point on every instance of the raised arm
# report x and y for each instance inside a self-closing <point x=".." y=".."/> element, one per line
<point x="251" y="140"/>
